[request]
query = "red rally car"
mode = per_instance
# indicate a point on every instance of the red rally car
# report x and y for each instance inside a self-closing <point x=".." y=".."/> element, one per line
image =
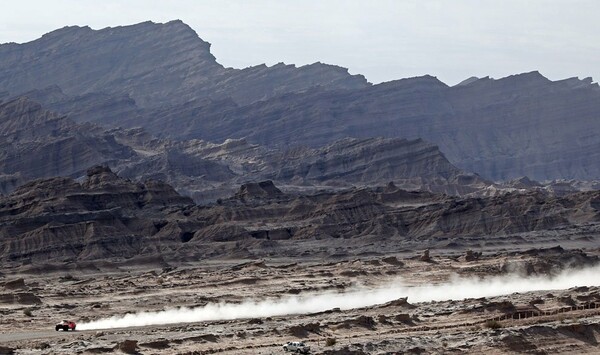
<point x="65" y="325"/>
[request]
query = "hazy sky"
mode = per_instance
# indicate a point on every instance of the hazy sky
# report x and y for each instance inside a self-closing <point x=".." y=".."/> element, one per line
<point x="384" y="40"/>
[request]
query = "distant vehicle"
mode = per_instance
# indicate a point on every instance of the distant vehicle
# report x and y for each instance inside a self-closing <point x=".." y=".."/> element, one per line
<point x="65" y="325"/>
<point x="296" y="346"/>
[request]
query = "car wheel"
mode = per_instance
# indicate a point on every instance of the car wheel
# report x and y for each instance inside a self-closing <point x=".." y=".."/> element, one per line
<point x="57" y="328"/>
<point x="74" y="327"/>
<point x="66" y="328"/>
<point x="284" y="348"/>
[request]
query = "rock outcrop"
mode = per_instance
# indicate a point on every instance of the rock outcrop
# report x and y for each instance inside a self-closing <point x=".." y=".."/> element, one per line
<point x="60" y="219"/>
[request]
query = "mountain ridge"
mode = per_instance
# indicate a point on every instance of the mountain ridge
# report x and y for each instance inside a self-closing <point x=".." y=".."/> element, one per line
<point x="163" y="77"/>
<point x="38" y="143"/>
<point x="120" y="60"/>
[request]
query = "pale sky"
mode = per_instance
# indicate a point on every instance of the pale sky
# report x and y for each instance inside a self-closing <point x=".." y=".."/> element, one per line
<point x="381" y="39"/>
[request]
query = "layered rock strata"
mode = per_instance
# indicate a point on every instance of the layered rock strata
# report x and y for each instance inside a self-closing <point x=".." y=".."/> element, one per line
<point x="109" y="218"/>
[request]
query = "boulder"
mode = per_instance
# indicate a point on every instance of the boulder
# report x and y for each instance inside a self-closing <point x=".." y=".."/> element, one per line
<point x="128" y="346"/>
<point x="425" y="257"/>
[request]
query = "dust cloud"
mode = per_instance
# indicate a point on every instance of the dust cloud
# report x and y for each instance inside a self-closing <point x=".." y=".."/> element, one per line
<point x="456" y="289"/>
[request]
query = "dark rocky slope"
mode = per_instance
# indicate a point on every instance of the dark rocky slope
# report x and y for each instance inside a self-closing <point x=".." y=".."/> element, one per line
<point x="58" y="219"/>
<point x="109" y="218"/>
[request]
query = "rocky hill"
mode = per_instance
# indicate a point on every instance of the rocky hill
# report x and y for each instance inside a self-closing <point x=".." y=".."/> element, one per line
<point x="108" y="218"/>
<point x="60" y="220"/>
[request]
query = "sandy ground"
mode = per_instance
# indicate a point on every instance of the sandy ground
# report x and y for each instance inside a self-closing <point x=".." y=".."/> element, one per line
<point x="545" y="321"/>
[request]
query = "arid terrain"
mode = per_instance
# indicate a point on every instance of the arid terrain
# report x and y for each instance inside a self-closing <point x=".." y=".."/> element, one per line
<point x="540" y="322"/>
<point x="168" y="204"/>
<point x="358" y="270"/>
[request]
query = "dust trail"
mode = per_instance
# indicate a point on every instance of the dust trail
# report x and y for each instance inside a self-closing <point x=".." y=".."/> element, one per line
<point x="456" y="288"/>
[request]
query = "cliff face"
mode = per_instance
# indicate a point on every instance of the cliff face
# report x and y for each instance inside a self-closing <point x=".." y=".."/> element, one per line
<point x="58" y="219"/>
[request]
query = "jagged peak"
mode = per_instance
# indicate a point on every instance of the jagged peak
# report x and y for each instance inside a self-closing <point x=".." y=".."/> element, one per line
<point x="325" y="65"/>
<point x="532" y="77"/>
<point x="468" y="81"/>
<point x="333" y="72"/>
<point x="60" y="35"/>
<point x="529" y="78"/>
<point x="66" y="30"/>
<point x="524" y="181"/>
<point x="427" y="80"/>
<point x="533" y="73"/>
<point x="101" y="176"/>
<point x="576" y="83"/>
<point x="171" y="25"/>
<point x="174" y="26"/>
<point x="283" y="65"/>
